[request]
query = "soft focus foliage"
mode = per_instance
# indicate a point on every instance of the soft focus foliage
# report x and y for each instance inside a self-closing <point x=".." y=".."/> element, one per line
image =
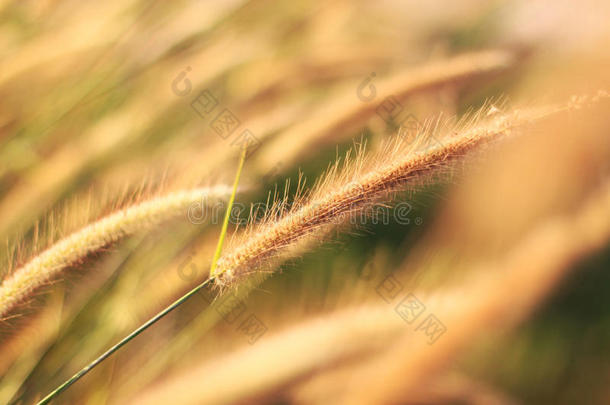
<point x="409" y="163"/>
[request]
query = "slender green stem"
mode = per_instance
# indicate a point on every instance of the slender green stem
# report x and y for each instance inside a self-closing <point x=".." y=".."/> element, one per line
<point x="225" y="223"/>
<point x="123" y="342"/>
<point x="167" y="310"/>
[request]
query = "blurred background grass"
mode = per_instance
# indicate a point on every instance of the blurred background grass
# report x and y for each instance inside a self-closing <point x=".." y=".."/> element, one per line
<point x="89" y="115"/>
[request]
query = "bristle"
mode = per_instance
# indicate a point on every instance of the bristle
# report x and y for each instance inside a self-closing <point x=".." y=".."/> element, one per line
<point x="350" y="186"/>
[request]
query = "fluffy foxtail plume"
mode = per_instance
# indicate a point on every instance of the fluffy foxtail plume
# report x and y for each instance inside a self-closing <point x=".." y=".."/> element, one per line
<point x="349" y="190"/>
<point x="42" y="268"/>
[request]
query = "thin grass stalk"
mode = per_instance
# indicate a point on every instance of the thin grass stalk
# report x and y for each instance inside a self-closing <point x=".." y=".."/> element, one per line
<point x="225" y="222"/>
<point x="163" y="312"/>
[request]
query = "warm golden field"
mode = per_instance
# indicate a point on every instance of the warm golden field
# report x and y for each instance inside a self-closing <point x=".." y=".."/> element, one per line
<point x="418" y="199"/>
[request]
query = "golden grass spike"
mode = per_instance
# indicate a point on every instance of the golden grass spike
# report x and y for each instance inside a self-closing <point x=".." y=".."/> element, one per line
<point x="42" y="268"/>
<point x="350" y="190"/>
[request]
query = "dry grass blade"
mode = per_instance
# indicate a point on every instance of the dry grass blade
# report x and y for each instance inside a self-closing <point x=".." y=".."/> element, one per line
<point x="280" y="358"/>
<point x="42" y="268"/>
<point x="453" y="388"/>
<point x="348" y="112"/>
